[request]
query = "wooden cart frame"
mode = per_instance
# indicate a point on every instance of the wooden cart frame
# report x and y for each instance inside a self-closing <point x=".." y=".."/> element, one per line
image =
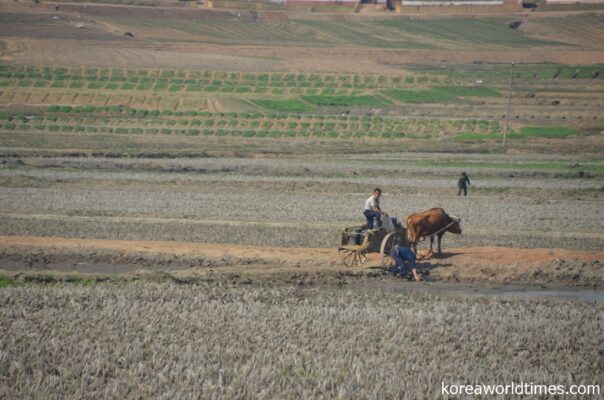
<point x="357" y="242"/>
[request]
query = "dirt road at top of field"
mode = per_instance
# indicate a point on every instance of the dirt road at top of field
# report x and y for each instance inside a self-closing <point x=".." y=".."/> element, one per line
<point x="550" y="267"/>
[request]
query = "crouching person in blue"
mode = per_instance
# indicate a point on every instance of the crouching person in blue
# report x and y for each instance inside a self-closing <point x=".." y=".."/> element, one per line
<point x="404" y="262"/>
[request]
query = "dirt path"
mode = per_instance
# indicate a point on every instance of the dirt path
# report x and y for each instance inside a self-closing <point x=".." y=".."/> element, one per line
<point x="550" y="267"/>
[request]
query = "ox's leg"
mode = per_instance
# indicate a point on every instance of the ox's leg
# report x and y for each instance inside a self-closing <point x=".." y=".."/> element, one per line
<point x="440" y="238"/>
<point x="431" y="243"/>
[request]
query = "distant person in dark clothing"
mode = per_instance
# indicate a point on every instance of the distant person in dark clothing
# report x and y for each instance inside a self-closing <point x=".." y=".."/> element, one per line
<point x="462" y="184"/>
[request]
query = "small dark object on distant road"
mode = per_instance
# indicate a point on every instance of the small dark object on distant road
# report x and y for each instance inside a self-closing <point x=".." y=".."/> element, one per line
<point x="556" y="103"/>
<point x="129" y="34"/>
<point x="515" y="24"/>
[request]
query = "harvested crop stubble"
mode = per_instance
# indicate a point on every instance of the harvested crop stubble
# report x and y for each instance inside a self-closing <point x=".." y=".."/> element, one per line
<point x="253" y="205"/>
<point x="167" y="341"/>
<point x="397" y="179"/>
<point x="375" y="168"/>
<point x="263" y="234"/>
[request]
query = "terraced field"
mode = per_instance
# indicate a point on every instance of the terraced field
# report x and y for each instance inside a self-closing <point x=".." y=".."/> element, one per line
<point x="438" y="104"/>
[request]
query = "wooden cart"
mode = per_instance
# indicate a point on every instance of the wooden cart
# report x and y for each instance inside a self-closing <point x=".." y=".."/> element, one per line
<point x="357" y="242"/>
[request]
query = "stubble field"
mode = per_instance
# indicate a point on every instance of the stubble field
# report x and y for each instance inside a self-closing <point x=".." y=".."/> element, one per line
<point x="300" y="202"/>
<point x="206" y="342"/>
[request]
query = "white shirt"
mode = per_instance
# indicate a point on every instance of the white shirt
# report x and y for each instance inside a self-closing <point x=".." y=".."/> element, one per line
<point x="372" y="203"/>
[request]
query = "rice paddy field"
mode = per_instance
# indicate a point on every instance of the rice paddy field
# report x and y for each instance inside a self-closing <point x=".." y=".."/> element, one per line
<point x="175" y="181"/>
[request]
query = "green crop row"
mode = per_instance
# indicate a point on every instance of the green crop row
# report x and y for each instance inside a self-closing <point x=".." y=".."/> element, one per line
<point x="261" y="133"/>
<point x="224" y="87"/>
<point x="367" y="100"/>
<point x="256" y="120"/>
<point x="82" y="77"/>
<point x="501" y="72"/>
<point x="441" y="94"/>
<point x="178" y="88"/>
<point x="55" y="123"/>
<point x="144" y="116"/>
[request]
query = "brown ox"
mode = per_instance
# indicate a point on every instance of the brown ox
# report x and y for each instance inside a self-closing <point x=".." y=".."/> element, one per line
<point x="430" y="223"/>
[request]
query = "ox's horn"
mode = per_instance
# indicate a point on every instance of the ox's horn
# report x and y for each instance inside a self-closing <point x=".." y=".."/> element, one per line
<point x="454" y="218"/>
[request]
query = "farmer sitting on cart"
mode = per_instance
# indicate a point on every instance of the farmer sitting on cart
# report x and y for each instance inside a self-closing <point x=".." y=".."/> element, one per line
<point x="404" y="262"/>
<point x="373" y="210"/>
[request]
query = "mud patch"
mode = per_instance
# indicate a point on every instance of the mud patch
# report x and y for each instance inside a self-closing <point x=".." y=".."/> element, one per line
<point x="302" y="266"/>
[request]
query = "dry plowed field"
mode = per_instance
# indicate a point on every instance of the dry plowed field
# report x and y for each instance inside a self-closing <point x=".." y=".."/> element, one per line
<point x="288" y="41"/>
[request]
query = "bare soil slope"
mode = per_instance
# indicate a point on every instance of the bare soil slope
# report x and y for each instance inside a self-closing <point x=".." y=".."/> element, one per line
<point x="214" y="39"/>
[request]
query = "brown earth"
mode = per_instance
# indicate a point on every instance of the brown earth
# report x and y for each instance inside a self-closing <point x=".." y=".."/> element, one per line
<point x="70" y="52"/>
<point x="20" y="256"/>
<point x="32" y="36"/>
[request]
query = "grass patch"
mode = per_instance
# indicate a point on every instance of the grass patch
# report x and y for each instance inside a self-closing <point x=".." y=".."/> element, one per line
<point x="285" y="105"/>
<point x="79" y="280"/>
<point x="468" y="91"/>
<point x="481" y="32"/>
<point x="546" y="131"/>
<point x="365" y="100"/>
<point x="440" y="94"/>
<point x="7" y="281"/>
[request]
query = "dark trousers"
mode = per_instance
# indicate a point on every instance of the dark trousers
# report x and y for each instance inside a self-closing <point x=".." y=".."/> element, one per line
<point x="370" y="215"/>
<point x="465" y="190"/>
<point x="402" y="256"/>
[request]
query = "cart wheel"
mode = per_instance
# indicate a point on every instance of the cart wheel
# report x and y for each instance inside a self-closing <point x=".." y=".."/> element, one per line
<point x="390" y="240"/>
<point x="353" y="258"/>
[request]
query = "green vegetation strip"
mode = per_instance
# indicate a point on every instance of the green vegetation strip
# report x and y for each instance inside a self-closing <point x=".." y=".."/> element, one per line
<point x="501" y="72"/>
<point x="526" y="132"/>
<point x="7" y="281"/>
<point x="371" y="101"/>
<point x="440" y="94"/>
<point x="117" y="120"/>
<point x="115" y="79"/>
<point x="285" y="105"/>
<point x="475" y="32"/>
<point x="592" y="166"/>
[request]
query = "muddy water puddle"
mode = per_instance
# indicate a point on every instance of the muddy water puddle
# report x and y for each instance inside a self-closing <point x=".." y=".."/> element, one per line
<point x="85" y="268"/>
<point x="455" y="290"/>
